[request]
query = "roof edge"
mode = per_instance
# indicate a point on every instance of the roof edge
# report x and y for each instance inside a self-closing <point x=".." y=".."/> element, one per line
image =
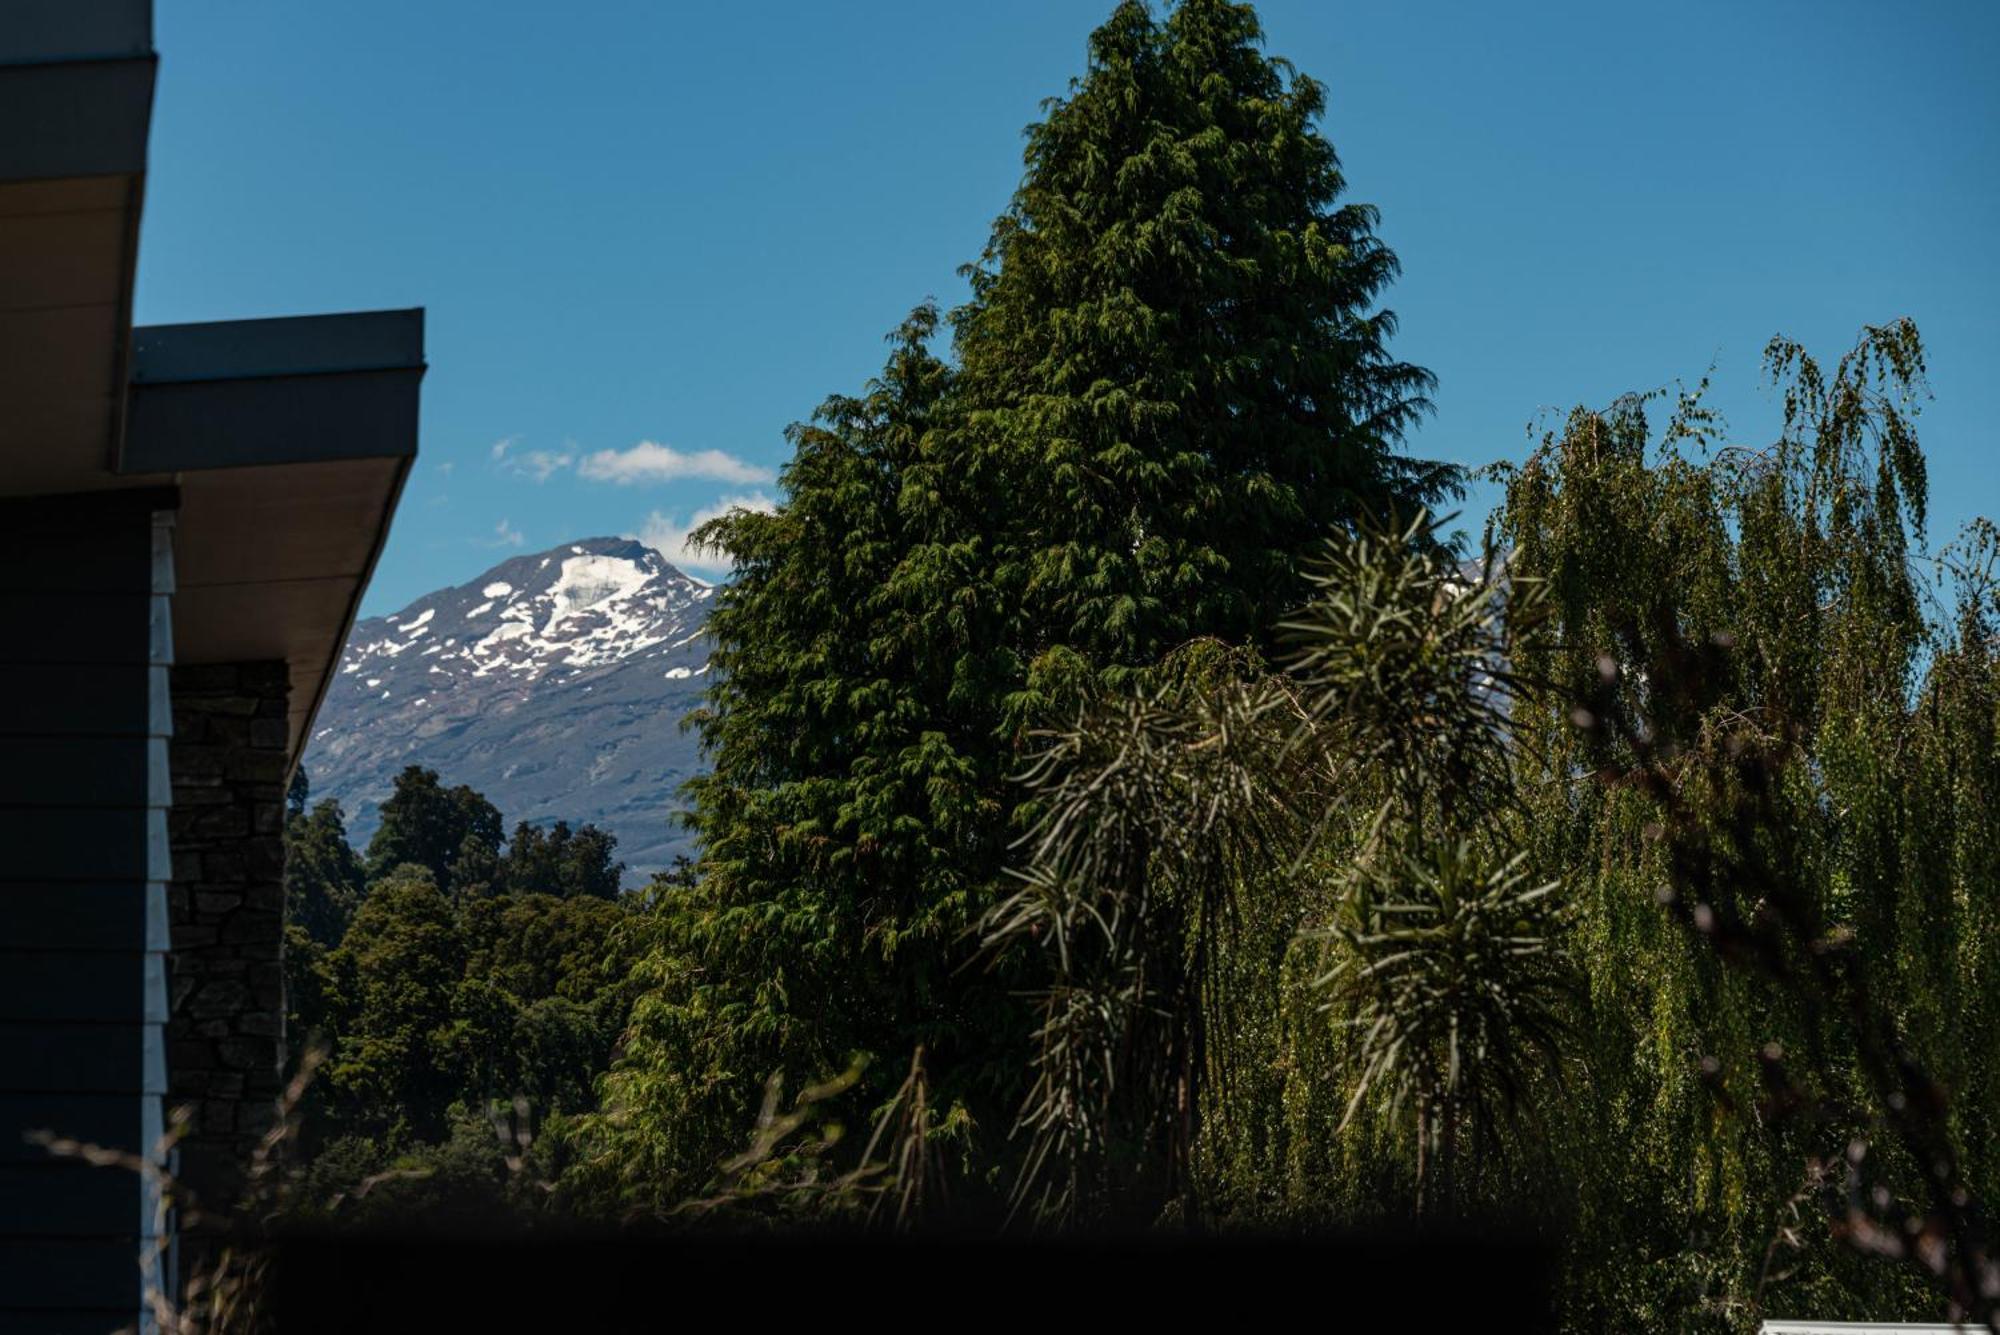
<point x="293" y="345"/>
<point x="41" y="32"/>
<point x="394" y="498"/>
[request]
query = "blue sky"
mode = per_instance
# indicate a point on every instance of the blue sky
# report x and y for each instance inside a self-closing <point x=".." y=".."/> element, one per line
<point x="679" y="226"/>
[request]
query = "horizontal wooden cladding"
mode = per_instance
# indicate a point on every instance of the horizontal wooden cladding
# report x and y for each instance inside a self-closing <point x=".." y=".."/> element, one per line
<point x="72" y="916"/>
<point x="83" y="844"/>
<point x="55" y="1199"/>
<point x="67" y="1321"/>
<point x="85" y="628"/>
<point x="101" y="986"/>
<point x="83" y="772"/>
<point x="85" y="700"/>
<point x="129" y="1123"/>
<point x="84" y="557"/>
<point x="82" y="1058"/>
<point x="86" y="1285"/>
<point x="74" y="516"/>
<point x="67" y="516"/>
<point x="64" y="700"/>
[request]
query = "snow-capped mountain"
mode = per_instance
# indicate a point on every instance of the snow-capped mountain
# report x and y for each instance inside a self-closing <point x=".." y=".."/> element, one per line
<point x="554" y="684"/>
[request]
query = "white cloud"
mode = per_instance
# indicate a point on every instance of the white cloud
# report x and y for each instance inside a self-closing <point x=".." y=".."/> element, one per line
<point x="667" y="535"/>
<point x="541" y="465"/>
<point x="446" y="467"/>
<point x="650" y="461"/>
<point x="535" y="465"/>
<point x="504" y="535"/>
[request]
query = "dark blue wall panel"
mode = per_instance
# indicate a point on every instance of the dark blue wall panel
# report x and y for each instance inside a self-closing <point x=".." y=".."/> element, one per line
<point x="85" y="643"/>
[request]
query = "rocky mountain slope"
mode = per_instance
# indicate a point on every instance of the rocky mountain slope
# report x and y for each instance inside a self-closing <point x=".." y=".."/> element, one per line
<point x="554" y="684"/>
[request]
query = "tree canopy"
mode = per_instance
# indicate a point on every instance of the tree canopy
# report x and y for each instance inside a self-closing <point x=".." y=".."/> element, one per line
<point x="1171" y="380"/>
<point x="1127" y="805"/>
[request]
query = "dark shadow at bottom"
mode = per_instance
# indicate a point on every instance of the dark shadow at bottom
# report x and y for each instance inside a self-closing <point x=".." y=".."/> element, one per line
<point x="614" y="1283"/>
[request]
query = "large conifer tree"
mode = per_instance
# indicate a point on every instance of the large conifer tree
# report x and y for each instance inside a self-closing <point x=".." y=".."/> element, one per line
<point x="1172" y="348"/>
<point x="851" y="814"/>
<point x="1172" y="383"/>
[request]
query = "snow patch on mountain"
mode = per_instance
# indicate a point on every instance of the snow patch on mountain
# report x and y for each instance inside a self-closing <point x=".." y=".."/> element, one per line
<point x="483" y="698"/>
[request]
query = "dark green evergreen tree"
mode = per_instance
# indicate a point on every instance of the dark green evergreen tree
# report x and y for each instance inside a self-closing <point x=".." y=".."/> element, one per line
<point x="558" y="968"/>
<point x="590" y="865"/>
<point x="323" y="877"/>
<point x="1173" y="383"/>
<point x="435" y="828"/>
<point x="561" y="861"/>
<point x="1173" y="355"/>
<point x="854" y="808"/>
<point x="388" y="995"/>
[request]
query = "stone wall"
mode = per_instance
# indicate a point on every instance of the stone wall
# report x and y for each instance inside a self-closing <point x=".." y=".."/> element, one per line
<point x="225" y="1034"/>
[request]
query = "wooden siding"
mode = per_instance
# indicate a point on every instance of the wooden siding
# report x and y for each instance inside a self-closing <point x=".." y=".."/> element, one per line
<point x="85" y="644"/>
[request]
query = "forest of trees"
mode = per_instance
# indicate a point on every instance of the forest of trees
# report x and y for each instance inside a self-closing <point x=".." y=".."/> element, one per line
<point x="438" y="972"/>
<point x="1130" y="806"/>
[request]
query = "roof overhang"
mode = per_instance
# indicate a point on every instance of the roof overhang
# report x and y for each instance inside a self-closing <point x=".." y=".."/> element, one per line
<point x="76" y="98"/>
<point x="286" y="440"/>
<point x="290" y="441"/>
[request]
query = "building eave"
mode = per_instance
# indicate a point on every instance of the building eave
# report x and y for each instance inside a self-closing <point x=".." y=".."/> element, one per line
<point x="76" y="96"/>
<point x="290" y="441"/>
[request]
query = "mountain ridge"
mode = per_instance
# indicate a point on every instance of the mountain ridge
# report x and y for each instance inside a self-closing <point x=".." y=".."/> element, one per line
<point x="554" y="683"/>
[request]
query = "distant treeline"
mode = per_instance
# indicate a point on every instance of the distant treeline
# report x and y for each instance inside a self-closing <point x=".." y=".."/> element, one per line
<point x="438" y="972"/>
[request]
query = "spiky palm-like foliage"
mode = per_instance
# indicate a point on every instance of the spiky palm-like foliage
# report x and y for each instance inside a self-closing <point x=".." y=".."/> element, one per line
<point x="1231" y="792"/>
<point x="1155" y="813"/>
<point x="1400" y="655"/>
<point x="1454" y="982"/>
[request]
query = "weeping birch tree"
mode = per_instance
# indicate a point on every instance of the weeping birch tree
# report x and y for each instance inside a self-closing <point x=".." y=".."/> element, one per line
<point x="1769" y="754"/>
